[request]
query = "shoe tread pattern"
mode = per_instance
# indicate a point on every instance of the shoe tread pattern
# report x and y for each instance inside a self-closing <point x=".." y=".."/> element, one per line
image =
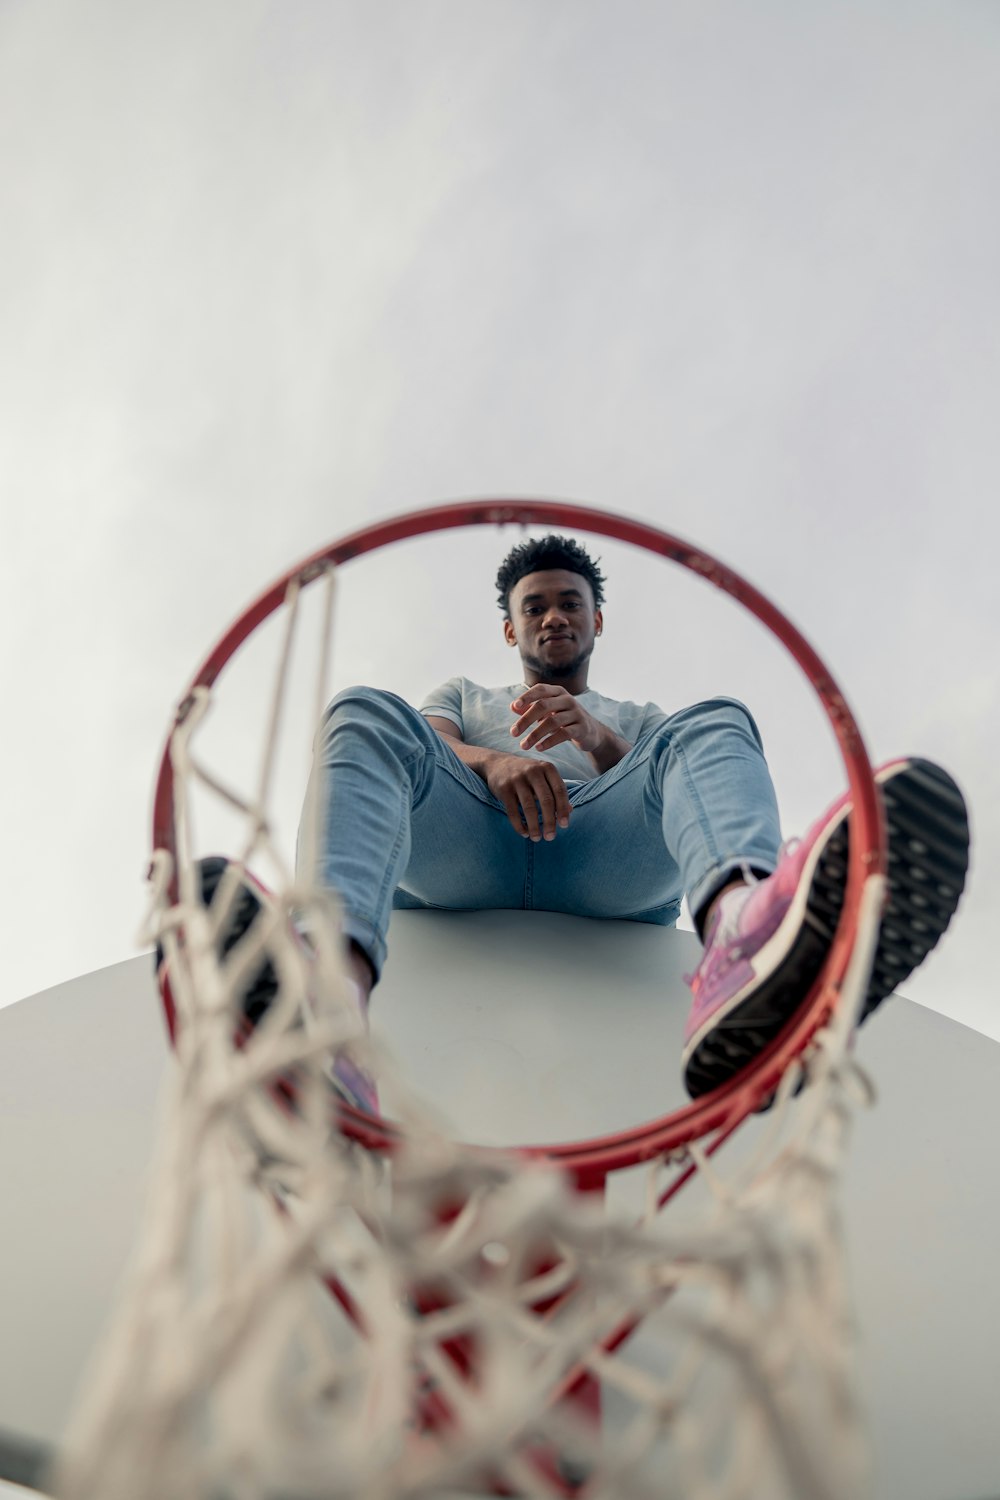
<point x="928" y="861"/>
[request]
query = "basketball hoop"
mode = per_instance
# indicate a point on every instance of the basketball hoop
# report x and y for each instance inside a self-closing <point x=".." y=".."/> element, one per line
<point x="483" y="1307"/>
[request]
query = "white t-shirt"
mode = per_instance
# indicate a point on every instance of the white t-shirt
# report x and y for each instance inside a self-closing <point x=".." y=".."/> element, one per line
<point x="483" y="717"/>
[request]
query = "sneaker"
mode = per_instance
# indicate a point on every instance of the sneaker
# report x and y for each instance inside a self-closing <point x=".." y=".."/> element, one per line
<point x="349" y="1080"/>
<point x="765" y="943"/>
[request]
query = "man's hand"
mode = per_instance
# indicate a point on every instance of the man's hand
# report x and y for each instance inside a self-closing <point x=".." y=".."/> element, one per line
<point x="532" y="791"/>
<point x="558" y="717"/>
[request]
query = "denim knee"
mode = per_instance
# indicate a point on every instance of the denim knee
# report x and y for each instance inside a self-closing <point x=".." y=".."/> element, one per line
<point x="366" y="700"/>
<point x="713" y="713"/>
<point x="711" y="717"/>
<point x="742" y="719"/>
<point x="380" y="710"/>
<point x="379" y="729"/>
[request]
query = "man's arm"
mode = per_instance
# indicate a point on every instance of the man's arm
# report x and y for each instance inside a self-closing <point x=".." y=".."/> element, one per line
<point x="532" y="791"/>
<point x="611" y="750"/>
<point x="476" y="757"/>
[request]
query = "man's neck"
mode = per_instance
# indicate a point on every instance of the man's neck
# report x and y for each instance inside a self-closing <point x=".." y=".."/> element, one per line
<point x="576" y="684"/>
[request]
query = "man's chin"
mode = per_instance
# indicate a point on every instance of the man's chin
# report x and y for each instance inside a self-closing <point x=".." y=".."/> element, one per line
<point x="556" y="671"/>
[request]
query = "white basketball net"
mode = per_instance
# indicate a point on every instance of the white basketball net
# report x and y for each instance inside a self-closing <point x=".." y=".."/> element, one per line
<point x="484" y="1295"/>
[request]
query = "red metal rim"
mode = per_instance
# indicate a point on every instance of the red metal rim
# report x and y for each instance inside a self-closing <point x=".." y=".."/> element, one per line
<point x="722" y="1110"/>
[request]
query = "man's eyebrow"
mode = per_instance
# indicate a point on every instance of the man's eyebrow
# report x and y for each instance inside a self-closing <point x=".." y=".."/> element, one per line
<point x="563" y="594"/>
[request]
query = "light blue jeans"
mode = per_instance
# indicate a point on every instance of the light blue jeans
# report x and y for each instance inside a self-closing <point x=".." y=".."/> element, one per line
<point x="407" y="824"/>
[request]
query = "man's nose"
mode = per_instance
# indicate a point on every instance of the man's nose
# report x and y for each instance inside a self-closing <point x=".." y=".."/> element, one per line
<point x="554" y="618"/>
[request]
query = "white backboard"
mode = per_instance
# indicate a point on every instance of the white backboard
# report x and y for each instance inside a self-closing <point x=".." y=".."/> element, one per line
<point x="529" y="1026"/>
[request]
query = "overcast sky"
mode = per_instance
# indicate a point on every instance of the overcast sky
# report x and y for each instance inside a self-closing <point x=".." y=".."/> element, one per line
<point x="272" y="271"/>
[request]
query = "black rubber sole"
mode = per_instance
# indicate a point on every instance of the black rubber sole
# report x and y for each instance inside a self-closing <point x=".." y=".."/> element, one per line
<point x="263" y="984"/>
<point x="928" y="860"/>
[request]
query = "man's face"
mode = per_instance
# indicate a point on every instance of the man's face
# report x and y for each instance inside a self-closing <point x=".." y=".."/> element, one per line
<point x="553" y="622"/>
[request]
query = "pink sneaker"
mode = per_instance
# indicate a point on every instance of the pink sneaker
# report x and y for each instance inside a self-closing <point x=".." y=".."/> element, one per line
<point x="765" y="943"/>
<point x="350" y="1080"/>
<point x="354" y="1083"/>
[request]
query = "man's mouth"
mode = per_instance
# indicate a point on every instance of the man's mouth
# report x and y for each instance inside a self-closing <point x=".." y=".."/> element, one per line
<point x="563" y="635"/>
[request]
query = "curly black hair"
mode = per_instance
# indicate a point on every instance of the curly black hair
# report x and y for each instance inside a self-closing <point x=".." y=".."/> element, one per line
<point x="547" y="552"/>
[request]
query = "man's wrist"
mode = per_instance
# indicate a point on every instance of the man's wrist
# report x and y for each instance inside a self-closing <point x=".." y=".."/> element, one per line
<point x="610" y="750"/>
<point x="477" y="757"/>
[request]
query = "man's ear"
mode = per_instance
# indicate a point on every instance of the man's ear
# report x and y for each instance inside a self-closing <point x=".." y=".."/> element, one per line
<point x="508" y="633"/>
<point x="598" y="622"/>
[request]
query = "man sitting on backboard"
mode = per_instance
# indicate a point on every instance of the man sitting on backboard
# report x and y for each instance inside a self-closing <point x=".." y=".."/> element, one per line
<point x="545" y="794"/>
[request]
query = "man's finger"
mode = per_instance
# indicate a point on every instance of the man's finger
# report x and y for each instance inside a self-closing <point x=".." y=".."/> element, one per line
<point x="530" y="709"/>
<point x="532" y="715"/>
<point x="546" y="816"/>
<point x="549" y="729"/>
<point x="559" y="723"/>
<point x="520" y="725"/>
<point x="558" y="737"/>
<point x="515" y="816"/>
<point x="532" y="694"/>
<point x="560" y="795"/>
